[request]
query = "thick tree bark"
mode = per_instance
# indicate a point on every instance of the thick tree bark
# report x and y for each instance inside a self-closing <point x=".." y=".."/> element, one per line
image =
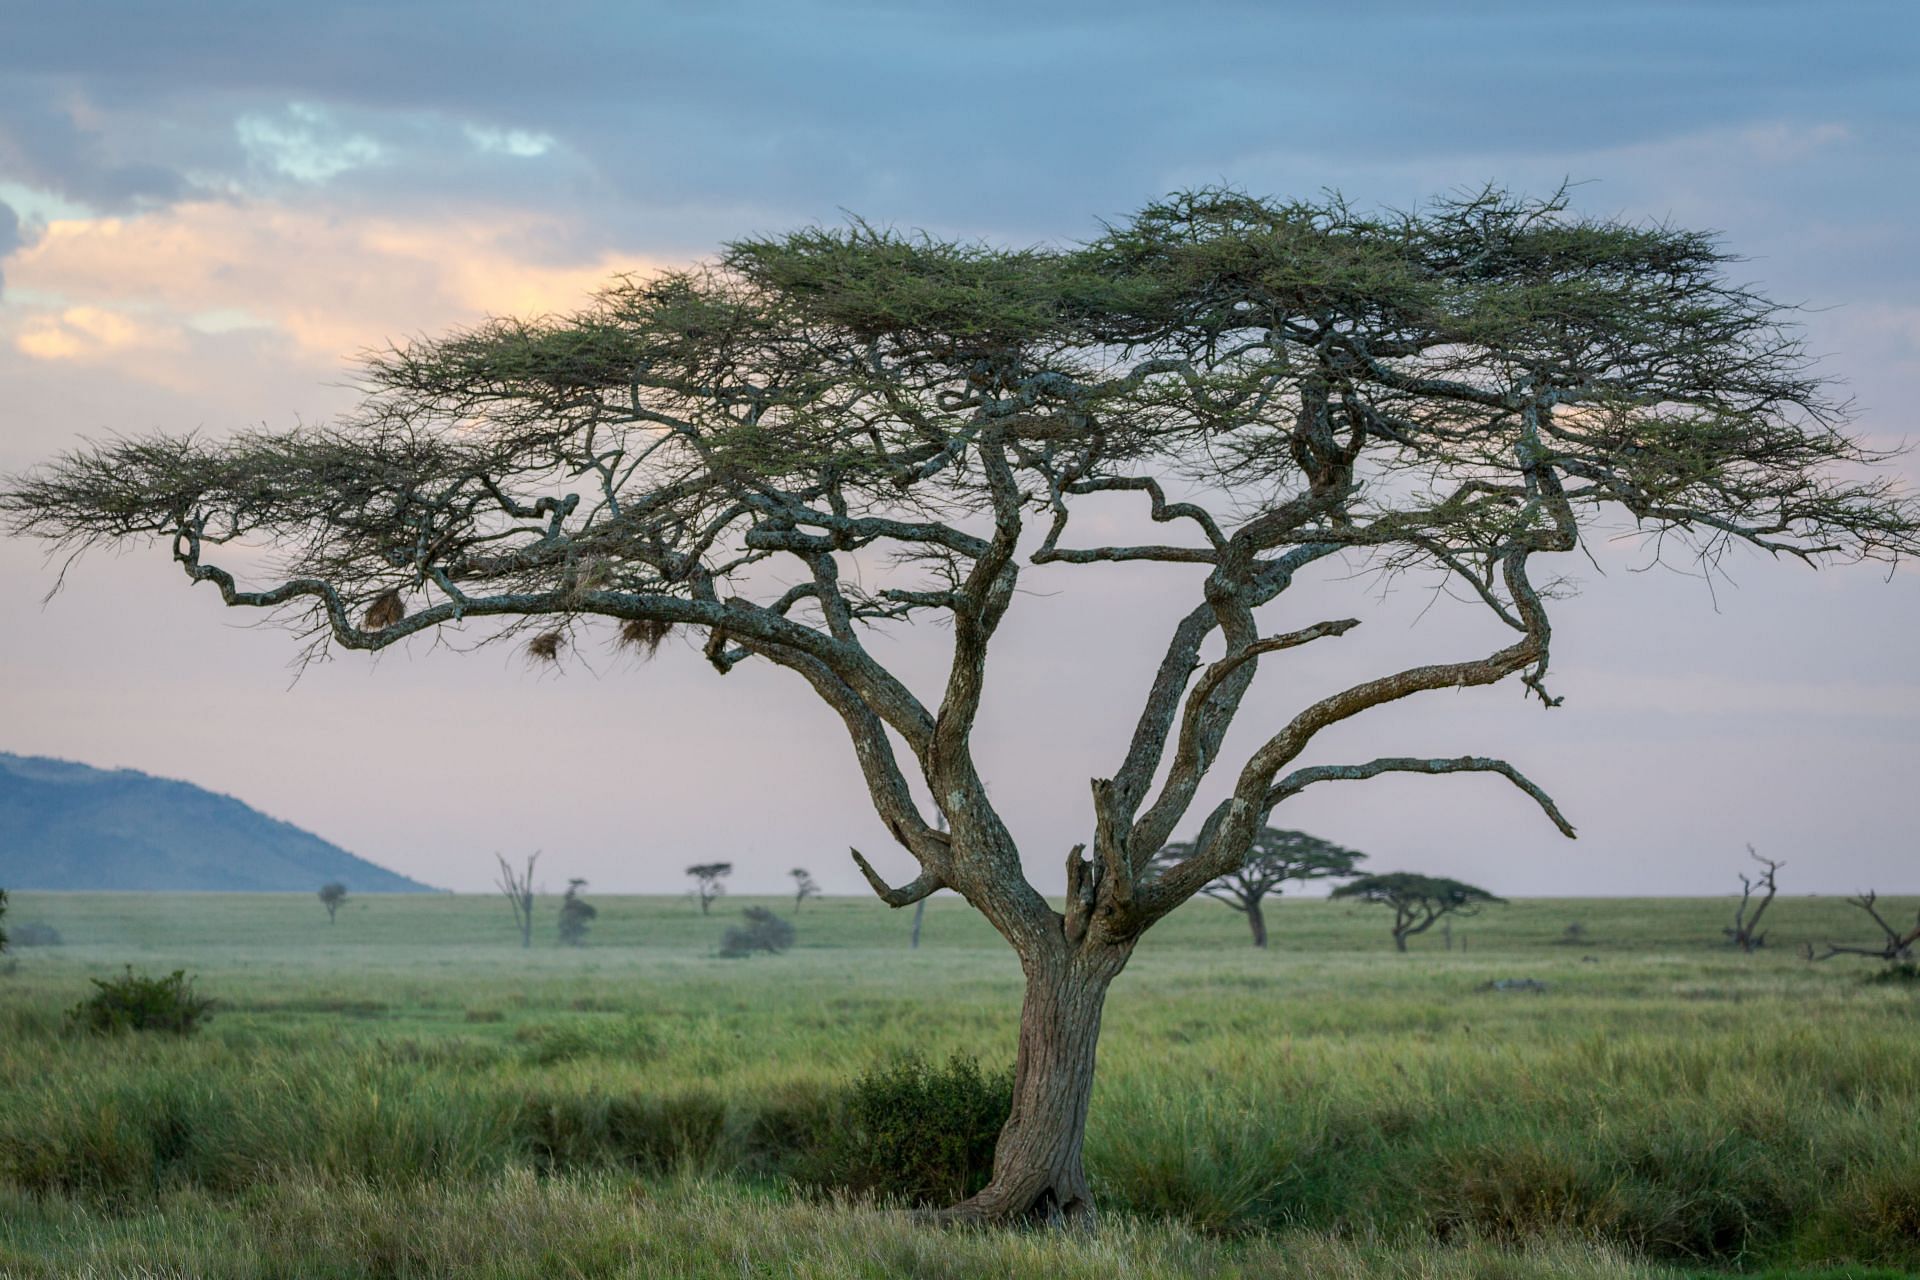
<point x="1257" y="921"/>
<point x="1038" y="1175"/>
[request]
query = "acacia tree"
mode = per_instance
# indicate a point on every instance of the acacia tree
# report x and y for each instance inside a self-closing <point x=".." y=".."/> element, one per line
<point x="332" y="894"/>
<point x="517" y="888"/>
<point x="804" y="887"/>
<point x="1460" y="389"/>
<point x="1419" y="902"/>
<point x="707" y="877"/>
<point x="1744" y="932"/>
<point x="1274" y="857"/>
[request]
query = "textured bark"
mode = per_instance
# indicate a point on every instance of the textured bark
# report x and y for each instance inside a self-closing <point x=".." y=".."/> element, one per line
<point x="1038" y="1173"/>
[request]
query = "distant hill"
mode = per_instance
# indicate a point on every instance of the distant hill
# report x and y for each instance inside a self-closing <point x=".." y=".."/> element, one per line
<point x="69" y="826"/>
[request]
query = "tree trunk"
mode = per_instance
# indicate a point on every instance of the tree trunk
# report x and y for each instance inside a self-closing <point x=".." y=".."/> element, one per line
<point x="1257" y="921"/>
<point x="1400" y="941"/>
<point x="1037" y="1170"/>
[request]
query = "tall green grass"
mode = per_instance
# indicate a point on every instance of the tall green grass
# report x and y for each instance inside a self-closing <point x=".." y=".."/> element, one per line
<point x="1663" y="1104"/>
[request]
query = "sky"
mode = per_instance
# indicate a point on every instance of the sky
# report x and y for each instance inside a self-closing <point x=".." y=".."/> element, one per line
<point x="207" y="208"/>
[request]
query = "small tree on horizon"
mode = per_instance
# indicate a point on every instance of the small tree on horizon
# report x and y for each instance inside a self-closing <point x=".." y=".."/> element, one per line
<point x="707" y="877"/>
<point x="576" y="915"/>
<point x="804" y="887"/>
<point x="332" y="894"/>
<point x="1246" y="400"/>
<point x="1275" y="857"/>
<point x="517" y="888"/>
<point x="1418" y="901"/>
<point x="3" y="919"/>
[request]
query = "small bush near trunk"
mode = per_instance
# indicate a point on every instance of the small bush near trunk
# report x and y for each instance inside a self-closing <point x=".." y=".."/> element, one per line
<point x="921" y="1132"/>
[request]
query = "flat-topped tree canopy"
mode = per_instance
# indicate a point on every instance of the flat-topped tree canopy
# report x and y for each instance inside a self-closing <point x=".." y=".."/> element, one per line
<point x="1463" y="388"/>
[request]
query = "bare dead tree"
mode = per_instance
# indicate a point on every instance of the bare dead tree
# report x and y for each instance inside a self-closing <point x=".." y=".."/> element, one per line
<point x="1418" y="901"/>
<point x="517" y="887"/>
<point x="1896" y="944"/>
<point x="804" y="887"/>
<point x="835" y="429"/>
<point x="707" y="877"/>
<point x="1745" y="933"/>
<point x="1274" y="858"/>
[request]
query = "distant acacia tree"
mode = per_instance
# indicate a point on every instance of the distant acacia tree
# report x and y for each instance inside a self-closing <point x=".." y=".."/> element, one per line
<point x="804" y="886"/>
<point x="331" y="896"/>
<point x="1275" y="857"/>
<point x="517" y="888"/>
<point x="3" y="919"/>
<point x="576" y="915"/>
<point x="707" y="877"/>
<point x="1744" y="932"/>
<point x="824" y="432"/>
<point x="1418" y="901"/>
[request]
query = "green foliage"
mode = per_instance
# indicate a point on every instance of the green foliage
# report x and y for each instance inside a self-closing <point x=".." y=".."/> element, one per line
<point x="137" y="1002"/>
<point x="763" y="932"/>
<point x="576" y="915"/>
<point x="35" y="933"/>
<point x="1900" y="972"/>
<point x="922" y="1133"/>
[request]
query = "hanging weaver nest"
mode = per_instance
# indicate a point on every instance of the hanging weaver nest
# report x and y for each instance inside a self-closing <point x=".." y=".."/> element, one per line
<point x="545" y="647"/>
<point x="385" y="610"/>
<point x="645" y="634"/>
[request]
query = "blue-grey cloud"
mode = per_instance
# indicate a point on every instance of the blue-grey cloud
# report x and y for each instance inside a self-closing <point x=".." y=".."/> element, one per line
<point x="42" y="145"/>
<point x="10" y="239"/>
<point x="1007" y="117"/>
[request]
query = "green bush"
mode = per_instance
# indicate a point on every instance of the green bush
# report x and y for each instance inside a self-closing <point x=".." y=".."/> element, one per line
<point x="764" y="931"/>
<point x="35" y="933"/>
<point x="136" y="1002"/>
<point x="922" y="1133"/>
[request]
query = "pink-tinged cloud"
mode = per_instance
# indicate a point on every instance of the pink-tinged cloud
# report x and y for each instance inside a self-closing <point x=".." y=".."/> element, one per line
<point x="139" y="290"/>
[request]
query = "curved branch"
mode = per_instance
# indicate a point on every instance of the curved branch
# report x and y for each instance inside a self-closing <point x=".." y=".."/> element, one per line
<point x="1300" y="779"/>
<point x="926" y="884"/>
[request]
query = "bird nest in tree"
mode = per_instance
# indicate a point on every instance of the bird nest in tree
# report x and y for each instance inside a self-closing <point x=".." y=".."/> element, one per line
<point x="645" y="634"/>
<point x="545" y="647"/>
<point x="385" y="610"/>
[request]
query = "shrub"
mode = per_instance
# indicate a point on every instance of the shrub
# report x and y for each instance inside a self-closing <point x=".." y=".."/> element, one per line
<point x="137" y="1002"/>
<point x="35" y="933"/>
<point x="1903" y="971"/>
<point x="763" y="931"/>
<point x="923" y="1133"/>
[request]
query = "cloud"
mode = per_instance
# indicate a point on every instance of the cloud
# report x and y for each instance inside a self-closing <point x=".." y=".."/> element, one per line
<point x="77" y="333"/>
<point x="44" y="144"/>
<point x="10" y="239"/>
<point x="305" y="144"/>
<point x="509" y="142"/>
<point x="327" y="286"/>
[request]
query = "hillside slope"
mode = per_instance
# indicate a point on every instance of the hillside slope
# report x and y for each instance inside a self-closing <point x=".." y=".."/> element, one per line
<point x="70" y="826"/>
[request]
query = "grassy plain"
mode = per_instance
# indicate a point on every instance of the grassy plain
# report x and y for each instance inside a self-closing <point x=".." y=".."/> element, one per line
<point x="408" y="1093"/>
